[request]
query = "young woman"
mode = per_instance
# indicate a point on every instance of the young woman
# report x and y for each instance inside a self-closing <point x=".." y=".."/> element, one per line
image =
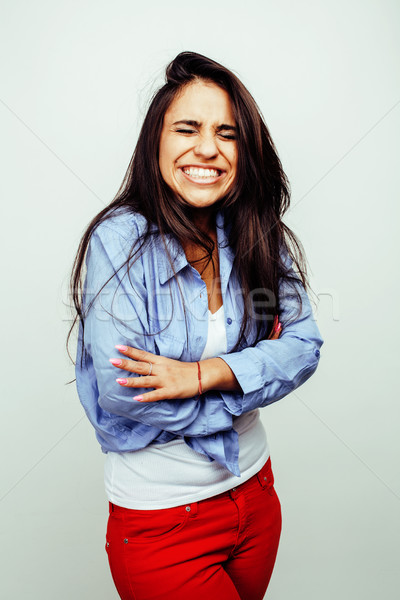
<point x="189" y="270"/>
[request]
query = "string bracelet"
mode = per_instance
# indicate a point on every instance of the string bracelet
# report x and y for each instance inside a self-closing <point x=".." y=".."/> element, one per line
<point x="199" y="375"/>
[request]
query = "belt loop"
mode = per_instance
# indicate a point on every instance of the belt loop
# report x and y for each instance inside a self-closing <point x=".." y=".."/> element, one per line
<point x="111" y="507"/>
<point x="262" y="479"/>
<point x="264" y="475"/>
<point x="191" y="509"/>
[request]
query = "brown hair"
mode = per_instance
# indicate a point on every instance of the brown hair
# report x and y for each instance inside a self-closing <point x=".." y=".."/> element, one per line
<point x="253" y="208"/>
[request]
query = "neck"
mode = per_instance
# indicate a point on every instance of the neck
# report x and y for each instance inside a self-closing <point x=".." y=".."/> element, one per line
<point x="204" y="220"/>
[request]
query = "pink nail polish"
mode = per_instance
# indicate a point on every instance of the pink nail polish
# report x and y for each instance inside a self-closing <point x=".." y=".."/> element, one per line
<point x="123" y="348"/>
<point x="122" y="381"/>
<point x="116" y="361"/>
<point x="138" y="398"/>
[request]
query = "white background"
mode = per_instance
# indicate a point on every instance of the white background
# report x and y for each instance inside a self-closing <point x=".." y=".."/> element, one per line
<point x="76" y="77"/>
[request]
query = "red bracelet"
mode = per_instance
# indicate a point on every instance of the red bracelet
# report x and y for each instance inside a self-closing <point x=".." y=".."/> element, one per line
<point x="199" y="375"/>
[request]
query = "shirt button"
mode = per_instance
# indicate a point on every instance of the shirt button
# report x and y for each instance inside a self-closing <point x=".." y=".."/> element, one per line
<point x="317" y="353"/>
<point x="229" y="320"/>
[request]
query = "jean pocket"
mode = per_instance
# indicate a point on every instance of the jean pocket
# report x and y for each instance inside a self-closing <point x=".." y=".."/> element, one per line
<point x="153" y="526"/>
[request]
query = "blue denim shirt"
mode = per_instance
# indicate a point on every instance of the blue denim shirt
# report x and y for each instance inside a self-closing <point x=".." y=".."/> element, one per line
<point x="148" y="300"/>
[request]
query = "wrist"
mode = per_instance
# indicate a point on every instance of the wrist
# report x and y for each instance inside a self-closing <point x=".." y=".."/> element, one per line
<point x="217" y="375"/>
<point x="199" y="378"/>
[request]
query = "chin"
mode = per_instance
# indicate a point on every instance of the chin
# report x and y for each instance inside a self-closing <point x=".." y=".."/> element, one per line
<point x="201" y="203"/>
<point x="201" y="200"/>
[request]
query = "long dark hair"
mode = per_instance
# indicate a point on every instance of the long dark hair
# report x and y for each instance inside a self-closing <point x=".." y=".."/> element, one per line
<point x="253" y="208"/>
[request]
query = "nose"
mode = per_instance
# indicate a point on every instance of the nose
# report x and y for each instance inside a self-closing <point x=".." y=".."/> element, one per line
<point x="206" y="146"/>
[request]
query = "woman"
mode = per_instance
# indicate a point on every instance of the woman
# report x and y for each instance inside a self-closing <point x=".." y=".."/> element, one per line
<point x="188" y="271"/>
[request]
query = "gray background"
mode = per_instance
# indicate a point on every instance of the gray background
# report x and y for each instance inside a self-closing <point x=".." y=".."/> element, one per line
<point x="75" y="81"/>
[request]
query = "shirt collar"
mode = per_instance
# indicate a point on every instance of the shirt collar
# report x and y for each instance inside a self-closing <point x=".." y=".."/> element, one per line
<point x="226" y="254"/>
<point x="178" y="256"/>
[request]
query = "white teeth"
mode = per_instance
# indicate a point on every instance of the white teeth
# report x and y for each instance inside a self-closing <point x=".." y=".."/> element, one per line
<point x="198" y="172"/>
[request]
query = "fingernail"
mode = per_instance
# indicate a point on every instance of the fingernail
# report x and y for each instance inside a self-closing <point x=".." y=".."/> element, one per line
<point x="138" y="398"/>
<point x="123" y="348"/>
<point x="122" y="381"/>
<point x="116" y="361"/>
<point x="279" y="326"/>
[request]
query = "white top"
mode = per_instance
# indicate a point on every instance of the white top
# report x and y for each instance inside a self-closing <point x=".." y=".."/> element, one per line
<point x="171" y="474"/>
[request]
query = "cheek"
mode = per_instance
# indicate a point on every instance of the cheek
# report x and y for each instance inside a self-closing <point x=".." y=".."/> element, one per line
<point x="233" y="158"/>
<point x="169" y="153"/>
<point x="165" y="163"/>
<point x="234" y="164"/>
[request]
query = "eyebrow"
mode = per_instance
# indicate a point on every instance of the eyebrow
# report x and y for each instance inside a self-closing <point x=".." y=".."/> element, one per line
<point x="223" y="127"/>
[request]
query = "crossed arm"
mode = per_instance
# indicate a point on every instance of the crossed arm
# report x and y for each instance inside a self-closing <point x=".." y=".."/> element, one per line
<point x="174" y="379"/>
<point x="274" y="366"/>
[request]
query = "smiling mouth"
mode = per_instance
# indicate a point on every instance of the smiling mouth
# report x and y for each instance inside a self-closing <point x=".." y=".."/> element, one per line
<point x="202" y="176"/>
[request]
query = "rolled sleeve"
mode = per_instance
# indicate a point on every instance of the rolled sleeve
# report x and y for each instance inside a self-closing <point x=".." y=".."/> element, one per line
<point x="273" y="368"/>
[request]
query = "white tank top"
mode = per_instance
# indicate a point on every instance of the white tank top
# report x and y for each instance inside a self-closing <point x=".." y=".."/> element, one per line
<point x="171" y="474"/>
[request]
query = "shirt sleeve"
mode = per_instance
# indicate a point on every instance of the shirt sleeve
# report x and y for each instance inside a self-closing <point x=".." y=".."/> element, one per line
<point x="273" y="368"/>
<point x="119" y="316"/>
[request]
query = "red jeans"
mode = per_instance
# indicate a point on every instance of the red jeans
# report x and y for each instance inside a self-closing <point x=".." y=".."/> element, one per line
<point x="221" y="548"/>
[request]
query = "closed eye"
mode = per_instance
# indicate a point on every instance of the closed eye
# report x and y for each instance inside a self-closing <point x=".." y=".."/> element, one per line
<point x="224" y="136"/>
<point x="185" y="131"/>
<point x="228" y="137"/>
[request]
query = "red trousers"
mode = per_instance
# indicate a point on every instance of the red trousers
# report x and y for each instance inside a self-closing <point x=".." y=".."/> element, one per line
<point x="221" y="548"/>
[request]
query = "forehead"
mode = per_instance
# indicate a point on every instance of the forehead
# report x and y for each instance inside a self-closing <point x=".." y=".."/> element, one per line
<point x="201" y="101"/>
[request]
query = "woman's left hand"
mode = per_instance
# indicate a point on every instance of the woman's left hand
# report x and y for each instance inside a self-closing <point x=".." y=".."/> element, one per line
<point x="171" y="378"/>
